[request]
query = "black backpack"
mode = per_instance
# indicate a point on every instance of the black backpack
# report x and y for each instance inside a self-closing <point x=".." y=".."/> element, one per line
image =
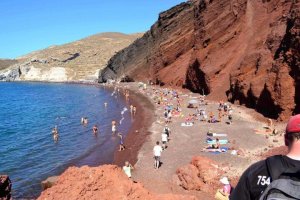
<point x="282" y="187"/>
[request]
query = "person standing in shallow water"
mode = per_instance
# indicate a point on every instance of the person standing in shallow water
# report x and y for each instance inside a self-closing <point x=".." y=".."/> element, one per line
<point x="55" y="134"/>
<point x="131" y="109"/>
<point x="121" y="146"/>
<point x="134" y="110"/>
<point x="113" y="127"/>
<point x="260" y="177"/>
<point x="95" y="129"/>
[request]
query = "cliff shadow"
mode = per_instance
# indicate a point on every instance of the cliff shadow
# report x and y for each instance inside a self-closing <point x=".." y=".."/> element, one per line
<point x="196" y="79"/>
<point x="266" y="106"/>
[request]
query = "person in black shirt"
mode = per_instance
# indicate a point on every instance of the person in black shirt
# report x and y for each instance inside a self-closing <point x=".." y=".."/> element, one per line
<point x="257" y="177"/>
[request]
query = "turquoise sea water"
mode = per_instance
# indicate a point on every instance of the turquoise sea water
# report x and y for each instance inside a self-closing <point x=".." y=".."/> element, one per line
<point x="28" y="112"/>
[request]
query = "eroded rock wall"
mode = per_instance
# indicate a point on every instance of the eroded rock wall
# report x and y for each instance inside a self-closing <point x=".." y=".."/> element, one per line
<point x="246" y="51"/>
<point x="106" y="182"/>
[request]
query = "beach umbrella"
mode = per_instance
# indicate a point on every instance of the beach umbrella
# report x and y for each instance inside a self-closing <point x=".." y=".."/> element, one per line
<point x="193" y="101"/>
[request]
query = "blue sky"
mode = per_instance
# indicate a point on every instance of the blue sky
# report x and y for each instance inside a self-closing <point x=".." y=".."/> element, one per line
<point x="28" y="25"/>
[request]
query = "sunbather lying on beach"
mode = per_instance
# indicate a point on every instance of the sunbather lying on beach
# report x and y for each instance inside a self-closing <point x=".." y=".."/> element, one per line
<point x="213" y="147"/>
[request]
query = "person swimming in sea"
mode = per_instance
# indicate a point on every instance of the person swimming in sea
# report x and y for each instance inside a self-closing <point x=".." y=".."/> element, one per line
<point x="105" y="104"/>
<point x="55" y="134"/>
<point x="95" y="129"/>
<point x="134" y="110"/>
<point x="113" y="127"/>
<point x="84" y="121"/>
<point x="131" y="109"/>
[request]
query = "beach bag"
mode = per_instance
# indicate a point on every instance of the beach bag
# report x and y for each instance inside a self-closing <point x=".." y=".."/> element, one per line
<point x="282" y="186"/>
<point x="220" y="196"/>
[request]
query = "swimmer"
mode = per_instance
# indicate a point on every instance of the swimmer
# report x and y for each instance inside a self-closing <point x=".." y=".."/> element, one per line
<point x="85" y="121"/>
<point x="55" y="134"/>
<point x="54" y="130"/>
<point x="95" y="129"/>
<point x="134" y="110"/>
<point x="131" y="108"/>
<point x="113" y="127"/>
<point x="105" y="104"/>
<point x="55" y="137"/>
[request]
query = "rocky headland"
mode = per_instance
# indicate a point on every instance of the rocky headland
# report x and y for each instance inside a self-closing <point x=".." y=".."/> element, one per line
<point x="246" y="51"/>
<point x="76" y="61"/>
<point x="105" y="182"/>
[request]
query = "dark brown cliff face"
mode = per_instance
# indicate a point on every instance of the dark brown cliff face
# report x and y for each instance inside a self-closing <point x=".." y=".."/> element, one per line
<point x="246" y="51"/>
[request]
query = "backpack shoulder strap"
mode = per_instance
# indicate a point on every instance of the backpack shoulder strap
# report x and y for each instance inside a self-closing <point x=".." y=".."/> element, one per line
<point x="275" y="172"/>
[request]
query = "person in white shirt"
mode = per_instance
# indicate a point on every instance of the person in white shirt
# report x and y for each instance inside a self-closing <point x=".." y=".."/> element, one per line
<point x="164" y="139"/>
<point x="127" y="169"/>
<point x="157" y="153"/>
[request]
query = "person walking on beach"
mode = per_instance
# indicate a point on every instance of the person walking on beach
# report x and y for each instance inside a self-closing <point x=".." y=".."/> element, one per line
<point x="127" y="169"/>
<point x="277" y="177"/>
<point x="164" y="140"/>
<point x="167" y="131"/>
<point x="157" y="153"/>
<point x="166" y="116"/>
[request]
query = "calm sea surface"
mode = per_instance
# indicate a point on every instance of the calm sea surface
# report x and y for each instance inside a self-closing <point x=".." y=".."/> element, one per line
<point x="28" y="112"/>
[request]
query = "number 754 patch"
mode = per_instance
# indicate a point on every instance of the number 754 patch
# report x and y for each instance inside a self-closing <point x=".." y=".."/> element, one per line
<point x="263" y="180"/>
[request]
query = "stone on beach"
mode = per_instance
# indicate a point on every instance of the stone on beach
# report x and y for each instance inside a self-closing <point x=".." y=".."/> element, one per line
<point x="201" y="174"/>
<point x="5" y="187"/>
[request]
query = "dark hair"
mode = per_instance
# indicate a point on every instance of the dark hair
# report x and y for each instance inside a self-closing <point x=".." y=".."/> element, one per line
<point x="157" y="142"/>
<point x="291" y="137"/>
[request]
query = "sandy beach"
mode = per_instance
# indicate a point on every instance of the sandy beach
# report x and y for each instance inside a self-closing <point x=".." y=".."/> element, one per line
<point x="246" y="135"/>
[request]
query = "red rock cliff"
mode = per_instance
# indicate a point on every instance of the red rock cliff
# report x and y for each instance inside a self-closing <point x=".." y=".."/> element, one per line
<point x="244" y="50"/>
<point x="106" y="182"/>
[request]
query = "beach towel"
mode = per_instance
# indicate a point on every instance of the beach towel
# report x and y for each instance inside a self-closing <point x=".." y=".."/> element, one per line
<point x="187" y="124"/>
<point x="217" y="134"/>
<point x="262" y="132"/>
<point x="214" y="142"/>
<point x="217" y="151"/>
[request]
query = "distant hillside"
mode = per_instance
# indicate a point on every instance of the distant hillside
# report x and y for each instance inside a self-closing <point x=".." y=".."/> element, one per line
<point x="4" y="63"/>
<point x="76" y="61"/>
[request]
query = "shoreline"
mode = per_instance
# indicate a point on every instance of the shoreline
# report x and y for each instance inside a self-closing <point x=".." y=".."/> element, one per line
<point x="139" y="130"/>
